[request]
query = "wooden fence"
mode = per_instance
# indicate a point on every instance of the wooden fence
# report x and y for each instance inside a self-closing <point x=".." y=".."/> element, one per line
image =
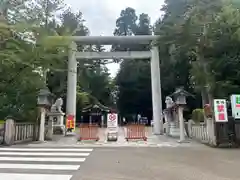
<point x="200" y="133"/>
<point x="217" y="134"/>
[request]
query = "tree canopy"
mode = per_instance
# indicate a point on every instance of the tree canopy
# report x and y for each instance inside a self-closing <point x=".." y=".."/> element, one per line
<point x="198" y="48"/>
<point x="31" y="60"/>
<point x="199" y="42"/>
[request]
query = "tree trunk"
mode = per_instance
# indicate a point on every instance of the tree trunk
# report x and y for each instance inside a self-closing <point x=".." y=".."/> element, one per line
<point x="204" y="97"/>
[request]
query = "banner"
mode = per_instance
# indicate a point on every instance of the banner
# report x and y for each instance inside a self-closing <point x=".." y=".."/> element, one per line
<point x="70" y="122"/>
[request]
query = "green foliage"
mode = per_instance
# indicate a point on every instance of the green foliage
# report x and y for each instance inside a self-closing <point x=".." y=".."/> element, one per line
<point x="198" y="115"/>
<point x="199" y="40"/>
<point x="134" y="78"/>
<point x="199" y="43"/>
<point x="35" y="42"/>
<point x="198" y="49"/>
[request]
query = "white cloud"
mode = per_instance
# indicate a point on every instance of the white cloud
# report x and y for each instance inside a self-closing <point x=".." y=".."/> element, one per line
<point x="101" y="15"/>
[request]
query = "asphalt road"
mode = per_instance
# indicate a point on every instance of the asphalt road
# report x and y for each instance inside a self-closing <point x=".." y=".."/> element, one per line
<point x="145" y="163"/>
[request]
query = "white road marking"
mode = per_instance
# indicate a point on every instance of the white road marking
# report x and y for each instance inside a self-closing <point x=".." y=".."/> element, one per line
<point x="39" y="166"/>
<point x="46" y="149"/>
<point x="15" y="176"/>
<point x="41" y="159"/>
<point x="44" y="154"/>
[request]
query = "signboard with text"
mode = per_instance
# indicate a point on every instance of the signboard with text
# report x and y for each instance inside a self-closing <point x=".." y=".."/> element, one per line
<point x="220" y="110"/>
<point x="235" y="104"/>
<point x="112" y="122"/>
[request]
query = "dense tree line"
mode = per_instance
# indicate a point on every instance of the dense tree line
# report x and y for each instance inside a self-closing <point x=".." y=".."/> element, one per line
<point x="31" y="60"/>
<point x="199" y="42"/>
<point x="198" y="48"/>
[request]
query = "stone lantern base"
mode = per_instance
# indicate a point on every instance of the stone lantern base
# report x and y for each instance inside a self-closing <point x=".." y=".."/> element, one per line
<point x="55" y="124"/>
<point x="174" y="131"/>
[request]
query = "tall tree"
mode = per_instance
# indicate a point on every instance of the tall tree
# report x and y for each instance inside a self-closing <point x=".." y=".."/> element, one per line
<point x="193" y="42"/>
<point x="133" y="79"/>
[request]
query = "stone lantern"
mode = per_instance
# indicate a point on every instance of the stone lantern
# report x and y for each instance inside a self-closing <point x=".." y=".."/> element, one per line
<point x="180" y="100"/>
<point x="43" y="101"/>
<point x="180" y="96"/>
<point x="44" y="98"/>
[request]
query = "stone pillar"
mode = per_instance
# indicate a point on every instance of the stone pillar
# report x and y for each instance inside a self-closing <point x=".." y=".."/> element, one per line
<point x="9" y="132"/>
<point x="181" y="124"/>
<point x="210" y="130"/>
<point x="72" y="82"/>
<point x="42" y="124"/>
<point x="167" y="121"/>
<point x="156" y="92"/>
<point x="50" y="128"/>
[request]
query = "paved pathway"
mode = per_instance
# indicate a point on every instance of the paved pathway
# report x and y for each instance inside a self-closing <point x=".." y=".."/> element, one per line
<point x="152" y="141"/>
<point x="160" y="158"/>
<point x="165" y="163"/>
<point x="23" y="163"/>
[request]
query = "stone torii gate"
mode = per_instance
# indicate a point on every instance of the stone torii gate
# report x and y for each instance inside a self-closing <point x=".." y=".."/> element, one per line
<point x="153" y="54"/>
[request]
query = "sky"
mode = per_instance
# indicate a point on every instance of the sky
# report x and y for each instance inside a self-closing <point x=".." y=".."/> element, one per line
<point x="101" y="15"/>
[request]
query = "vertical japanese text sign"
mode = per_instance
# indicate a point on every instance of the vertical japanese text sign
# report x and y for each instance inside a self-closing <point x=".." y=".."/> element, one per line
<point x="220" y="110"/>
<point x="235" y="103"/>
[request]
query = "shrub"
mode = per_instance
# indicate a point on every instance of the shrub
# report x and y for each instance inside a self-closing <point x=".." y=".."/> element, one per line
<point x="198" y="115"/>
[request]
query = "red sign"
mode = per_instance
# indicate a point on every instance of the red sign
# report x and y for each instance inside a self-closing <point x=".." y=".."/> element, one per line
<point x="112" y="117"/>
<point x="221" y="116"/>
<point x="220" y="110"/>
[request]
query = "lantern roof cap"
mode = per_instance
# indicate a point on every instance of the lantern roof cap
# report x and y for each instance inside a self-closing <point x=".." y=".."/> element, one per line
<point x="44" y="92"/>
<point x="181" y="92"/>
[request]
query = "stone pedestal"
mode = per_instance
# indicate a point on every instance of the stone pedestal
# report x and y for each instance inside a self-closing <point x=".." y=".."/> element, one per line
<point x="56" y="124"/>
<point x="167" y="117"/>
<point x="174" y="131"/>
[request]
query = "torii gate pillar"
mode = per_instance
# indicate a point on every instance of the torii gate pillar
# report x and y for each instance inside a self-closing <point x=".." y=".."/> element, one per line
<point x="72" y="82"/>
<point x="156" y="92"/>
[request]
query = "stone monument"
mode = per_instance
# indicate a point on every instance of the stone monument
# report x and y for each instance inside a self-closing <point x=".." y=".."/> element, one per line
<point x="56" y="119"/>
<point x="171" y="118"/>
<point x="169" y="102"/>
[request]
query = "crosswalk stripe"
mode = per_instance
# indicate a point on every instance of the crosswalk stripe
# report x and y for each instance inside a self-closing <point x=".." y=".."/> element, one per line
<point x="47" y="149"/>
<point x="15" y="176"/>
<point x="44" y="154"/>
<point x="41" y="163"/>
<point x="41" y="159"/>
<point x="39" y="166"/>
